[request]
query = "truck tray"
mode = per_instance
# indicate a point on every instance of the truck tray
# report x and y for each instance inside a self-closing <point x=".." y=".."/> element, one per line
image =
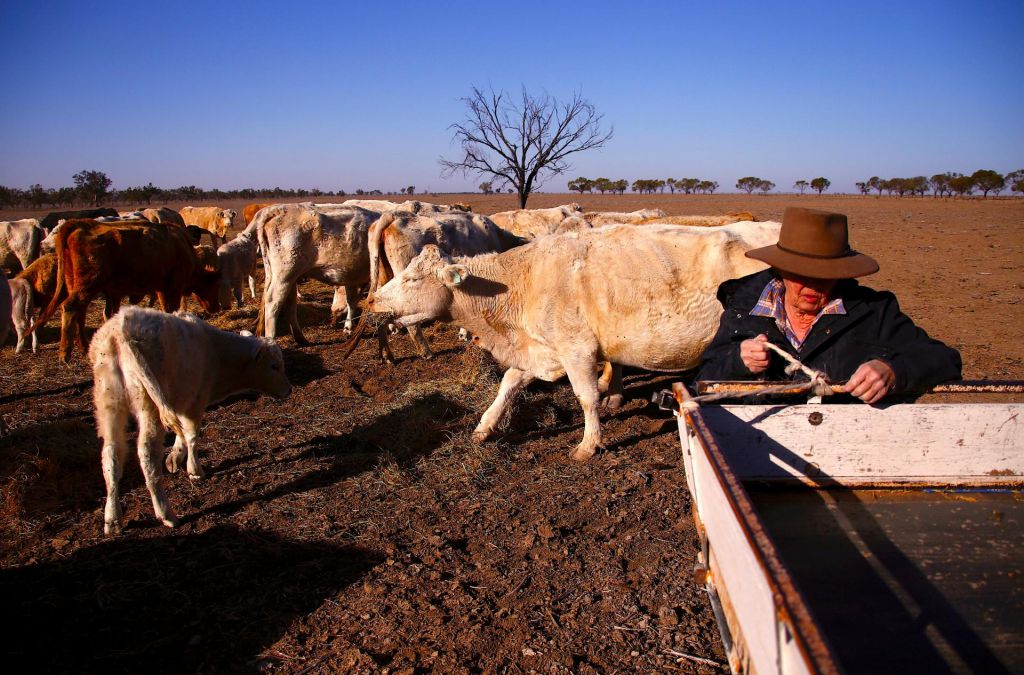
<point x="848" y="538"/>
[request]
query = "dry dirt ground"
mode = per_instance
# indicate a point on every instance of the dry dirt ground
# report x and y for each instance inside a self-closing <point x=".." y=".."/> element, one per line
<point x="355" y="527"/>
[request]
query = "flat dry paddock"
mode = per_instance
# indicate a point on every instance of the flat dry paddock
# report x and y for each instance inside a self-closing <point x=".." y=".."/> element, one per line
<point x="356" y="527"/>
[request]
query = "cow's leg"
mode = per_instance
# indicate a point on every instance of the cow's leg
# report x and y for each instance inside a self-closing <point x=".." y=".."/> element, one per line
<point x="184" y="449"/>
<point x="239" y="301"/>
<point x="383" y="347"/>
<point x="352" y="302"/>
<point x="339" y="305"/>
<point x="252" y="286"/>
<point x="274" y="292"/>
<point x="583" y="378"/>
<point x="610" y="385"/>
<point x="67" y="320"/>
<point x="21" y="326"/>
<point x="150" y="448"/>
<point x="416" y="333"/>
<point x="83" y="344"/>
<point x="512" y="382"/>
<point x="112" y="420"/>
<point x="71" y="320"/>
<point x="191" y="429"/>
<point x="175" y="455"/>
<point x="111" y="303"/>
<point x="292" y="313"/>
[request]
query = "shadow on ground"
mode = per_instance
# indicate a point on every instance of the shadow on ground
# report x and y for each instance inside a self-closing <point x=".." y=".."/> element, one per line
<point x="202" y="602"/>
<point x="402" y="435"/>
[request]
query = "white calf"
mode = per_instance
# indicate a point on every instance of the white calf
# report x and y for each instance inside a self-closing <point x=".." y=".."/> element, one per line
<point x="165" y="370"/>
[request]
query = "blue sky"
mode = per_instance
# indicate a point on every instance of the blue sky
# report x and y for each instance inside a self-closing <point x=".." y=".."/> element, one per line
<point x="342" y="95"/>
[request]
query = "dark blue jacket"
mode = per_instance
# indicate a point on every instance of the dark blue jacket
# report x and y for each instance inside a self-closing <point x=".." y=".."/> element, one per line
<point x="872" y="328"/>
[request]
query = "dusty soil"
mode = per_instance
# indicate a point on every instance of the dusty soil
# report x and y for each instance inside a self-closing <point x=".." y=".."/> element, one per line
<point x="355" y="527"/>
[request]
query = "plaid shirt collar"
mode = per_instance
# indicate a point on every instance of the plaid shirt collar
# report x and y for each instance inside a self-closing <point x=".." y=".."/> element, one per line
<point x="772" y="303"/>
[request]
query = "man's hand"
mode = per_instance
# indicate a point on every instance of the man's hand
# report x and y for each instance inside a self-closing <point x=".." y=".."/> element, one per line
<point x="871" y="382"/>
<point x="754" y="354"/>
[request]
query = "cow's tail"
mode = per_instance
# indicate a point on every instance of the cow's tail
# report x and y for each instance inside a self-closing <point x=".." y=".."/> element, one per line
<point x="60" y="246"/>
<point x="145" y="376"/>
<point x="378" y="258"/>
<point x="258" y="226"/>
<point x="35" y="244"/>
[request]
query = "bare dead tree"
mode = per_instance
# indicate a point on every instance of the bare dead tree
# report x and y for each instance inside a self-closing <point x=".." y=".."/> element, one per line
<point x="522" y="144"/>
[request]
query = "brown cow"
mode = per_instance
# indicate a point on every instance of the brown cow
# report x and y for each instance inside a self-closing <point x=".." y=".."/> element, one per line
<point x="215" y="220"/>
<point x="250" y="211"/>
<point x="33" y="287"/>
<point x="118" y="260"/>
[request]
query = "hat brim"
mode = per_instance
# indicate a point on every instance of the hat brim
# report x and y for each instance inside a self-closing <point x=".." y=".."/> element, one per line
<point x="844" y="267"/>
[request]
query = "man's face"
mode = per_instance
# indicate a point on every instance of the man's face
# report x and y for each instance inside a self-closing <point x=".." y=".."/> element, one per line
<point x="807" y="294"/>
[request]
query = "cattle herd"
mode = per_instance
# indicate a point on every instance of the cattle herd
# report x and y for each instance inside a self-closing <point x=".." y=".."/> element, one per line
<point x="547" y="292"/>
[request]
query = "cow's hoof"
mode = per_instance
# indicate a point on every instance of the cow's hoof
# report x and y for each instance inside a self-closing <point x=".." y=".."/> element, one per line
<point x="172" y="462"/>
<point x="480" y="436"/>
<point x="427" y="356"/>
<point x="198" y="476"/>
<point x="582" y="453"/>
<point x="170" y="521"/>
<point x="112" y="529"/>
<point x="613" y="402"/>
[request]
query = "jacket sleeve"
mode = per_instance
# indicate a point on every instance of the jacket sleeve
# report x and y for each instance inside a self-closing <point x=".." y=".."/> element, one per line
<point x="721" y="360"/>
<point x="918" y="361"/>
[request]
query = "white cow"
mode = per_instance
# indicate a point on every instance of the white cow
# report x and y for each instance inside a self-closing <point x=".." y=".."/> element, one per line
<point x="398" y="236"/>
<point x="601" y="218"/>
<point x="702" y="221"/>
<point x="19" y="243"/>
<point x="236" y="261"/>
<point x="22" y="307"/>
<point x="531" y="223"/>
<point x="383" y="206"/>
<point x="163" y="215"/>
<point x="5" y="308"/>
<point x="165" y="370"/>
<point x="49" y="243"/>
<point x="323" y="242"/>
<point x="642" y="297"/>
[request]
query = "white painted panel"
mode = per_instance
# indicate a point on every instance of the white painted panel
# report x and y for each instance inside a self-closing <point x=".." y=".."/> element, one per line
<point x="979" y="444"/>
<point x="741" y="572"/>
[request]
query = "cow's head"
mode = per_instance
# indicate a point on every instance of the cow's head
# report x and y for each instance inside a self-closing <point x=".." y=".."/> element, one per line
<point x="227" y="217"/>
<point x="422" y="291"/>
<point x="265" y="370"/>
<point x="206" y="284"/>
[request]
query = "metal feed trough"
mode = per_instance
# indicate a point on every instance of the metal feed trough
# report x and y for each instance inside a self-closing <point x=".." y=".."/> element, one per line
<point x="859" y="539"/>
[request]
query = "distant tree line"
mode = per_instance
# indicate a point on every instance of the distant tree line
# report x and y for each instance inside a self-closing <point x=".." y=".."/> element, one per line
<point x="819" y="185"/>
<point x="750" y="183"/>
<point x="643" y="185"/>
<point x="93" y="187"/>
<point x="946" y="184"/>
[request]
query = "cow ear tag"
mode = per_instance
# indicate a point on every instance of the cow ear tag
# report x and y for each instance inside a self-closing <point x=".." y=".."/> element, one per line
<point x="451" y="275"/>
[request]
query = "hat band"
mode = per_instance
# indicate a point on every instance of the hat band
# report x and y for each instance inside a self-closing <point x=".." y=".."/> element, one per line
<point x="845" y="254"/>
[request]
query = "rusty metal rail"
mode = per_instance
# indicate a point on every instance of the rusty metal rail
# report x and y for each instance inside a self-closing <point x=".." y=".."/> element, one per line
<point x="959" y="387"/>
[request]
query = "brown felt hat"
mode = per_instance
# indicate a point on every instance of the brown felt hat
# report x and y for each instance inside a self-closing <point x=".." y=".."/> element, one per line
<point x="815" y="244"/>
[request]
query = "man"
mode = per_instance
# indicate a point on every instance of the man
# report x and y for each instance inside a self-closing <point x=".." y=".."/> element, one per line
<point x="809" y="305"/>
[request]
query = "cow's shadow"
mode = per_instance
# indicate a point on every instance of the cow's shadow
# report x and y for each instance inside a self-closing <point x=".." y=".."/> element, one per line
<point x="203" y="602"/>
<point x="541" y="419"/>
<point x="303" y="367"/>
<point x="402" y="436"/>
